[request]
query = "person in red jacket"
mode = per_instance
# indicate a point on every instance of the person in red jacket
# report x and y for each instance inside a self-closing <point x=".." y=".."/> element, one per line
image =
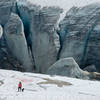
<point x="19" y="86"/>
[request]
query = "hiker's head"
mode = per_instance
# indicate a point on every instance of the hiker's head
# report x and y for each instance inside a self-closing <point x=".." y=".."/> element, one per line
<point x="20" y="82"/>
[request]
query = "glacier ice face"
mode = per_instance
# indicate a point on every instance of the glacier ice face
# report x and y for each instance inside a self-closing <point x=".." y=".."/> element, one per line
<point x="81" y="40"/>
<point x="6" y="7"/>
<point x="42" y="25"/>
<point x="41" y="20"/>
<point x="67" y="67"/>
<point x="45" y="41"/>
<point x="16" y="41"/>
<point x="63" y="4"/>
<point x="1" y="31"/>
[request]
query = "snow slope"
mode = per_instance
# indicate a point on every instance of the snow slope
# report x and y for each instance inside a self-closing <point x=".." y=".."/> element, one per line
<point x="44" y="87"/>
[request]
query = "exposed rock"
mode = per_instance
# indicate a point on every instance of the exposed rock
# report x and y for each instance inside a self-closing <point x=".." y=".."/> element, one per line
<point x="90" y="68"/>
<point x="67" y="67"/>
<point x="80" y="35"/>
<point x="6" y="7"/>
<point x="16" y="41"/>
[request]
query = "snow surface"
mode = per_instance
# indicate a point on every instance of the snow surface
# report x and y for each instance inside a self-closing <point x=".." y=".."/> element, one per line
<point x="79" y="90"/>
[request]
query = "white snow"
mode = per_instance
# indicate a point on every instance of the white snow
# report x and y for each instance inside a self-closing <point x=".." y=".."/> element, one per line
<point x="79" y="90"/>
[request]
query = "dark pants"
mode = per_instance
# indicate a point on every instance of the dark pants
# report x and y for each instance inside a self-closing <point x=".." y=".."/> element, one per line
<point x="19" y="89"/>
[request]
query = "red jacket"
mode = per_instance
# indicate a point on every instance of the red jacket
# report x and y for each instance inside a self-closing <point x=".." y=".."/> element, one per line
<point x="20" y="85"/>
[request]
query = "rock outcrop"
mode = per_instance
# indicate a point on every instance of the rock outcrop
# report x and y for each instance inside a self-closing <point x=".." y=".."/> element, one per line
<point x="67" y="67"/>
<point x="80" y="35"/>
<point x="6" y="7"/>
<point x="16" y="41"/>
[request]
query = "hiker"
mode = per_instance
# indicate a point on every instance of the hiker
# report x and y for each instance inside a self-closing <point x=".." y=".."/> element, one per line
<point x="19" y="86"/>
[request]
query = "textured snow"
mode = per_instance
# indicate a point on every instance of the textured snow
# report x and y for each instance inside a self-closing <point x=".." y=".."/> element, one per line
<point x="79" y="90"/>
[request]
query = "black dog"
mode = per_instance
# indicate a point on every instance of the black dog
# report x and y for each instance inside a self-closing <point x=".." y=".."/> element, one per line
<point x="22" y="89"/>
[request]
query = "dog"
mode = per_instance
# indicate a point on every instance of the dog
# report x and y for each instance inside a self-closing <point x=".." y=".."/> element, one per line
<point x="22" y="89"/>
